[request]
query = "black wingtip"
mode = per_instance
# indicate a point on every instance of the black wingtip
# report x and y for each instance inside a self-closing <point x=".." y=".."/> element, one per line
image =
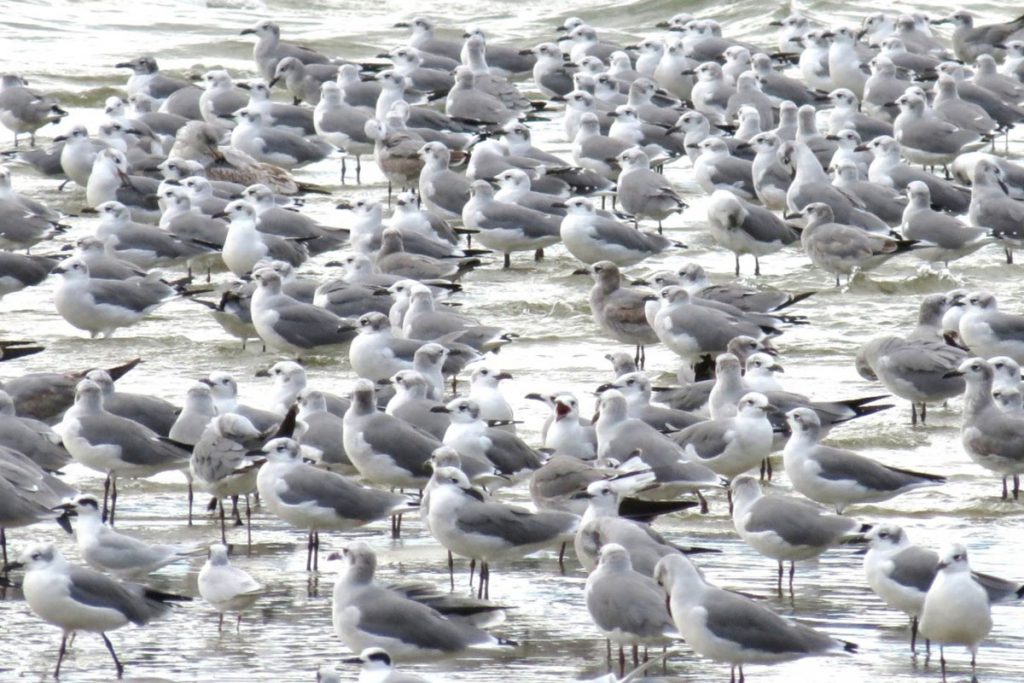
<point x="849" y="647"/>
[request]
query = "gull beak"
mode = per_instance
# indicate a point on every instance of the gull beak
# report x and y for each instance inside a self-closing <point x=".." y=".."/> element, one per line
<point x="11" y="566"/>
<point x="605" y="387"/>
<point x="942" y="563"/>
<point x="351" y="660"/>
<point x="952" y="373"/>
<point x="503" y="375"/>
<point x="440" y="409"/>
<point x="263" y="372"/>
<point x="273" y="81"/>
<point x="246" y="31"/>
<point x="776" y="368"/>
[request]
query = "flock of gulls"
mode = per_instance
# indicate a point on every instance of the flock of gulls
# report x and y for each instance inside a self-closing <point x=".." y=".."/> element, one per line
<point x="854" y="145"/>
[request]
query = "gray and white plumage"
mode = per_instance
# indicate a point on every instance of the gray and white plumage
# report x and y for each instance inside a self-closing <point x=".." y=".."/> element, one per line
<point x="731" y="628"/>
<point x="148" y="410"/>
<point x="641" y="191"/>
<point x="745" y="228"/>
<point x="942" y="237"/>
<point x="367" y="614"/>
<point x="592" y="238"/>
<point x="618" y="310"/>
<point x="839" y="477"/>
<point x="504" y="226"/>
<point x="102" y="306"/>
<point x="625" y="605"/>
<point x="290" y="325"/>
<point x="887" y="168"/>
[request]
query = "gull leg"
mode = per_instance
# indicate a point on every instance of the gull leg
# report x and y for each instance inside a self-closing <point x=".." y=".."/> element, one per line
<point x="1016" y="487"/>
<point x="359" y="170"/>
<point x="191" y="496"/>
<point x="703" y="503"/>
<point x="757" y="266"/>
<point x="742" y="677"/>
<point x="60" y="655"/>
<point x="220" y="622"/>
<point x="768" y="466"/>
<point x="728" y="497"/>
<point x="913" y="414"/>
<point x="238" y="623"/>
<point x="942" y="662"/>
<point x="223" y="530"/>
<point x="316" y="551"/>
<point x="538" y="255"/>
<point x="974" y="671"/>
<point x="913" y="635"/>
<point x="636" y="655"/>
<point x="106" y="496"/>
<point x="508" y="261"/>
<point x="561" y="557"/>
<point x="234" y="511"/>
<point x="622" y="662"/>
<point x="114" y="498"/>
<point x="792" y="570"/>
<point x="342" y="169"/>
<point x="248" y="524"/>
<point x="924" y="412"/>
<point x="451" y="570"/>
<point x="1006" y="493"/>
<point x="110" y="648"/>
<point x="764" y="468"/>
<point x="780" y="577"/>
<point x="737" y="256"/>
<point x="732" y="674"/>
<point x="472" y="570"/>
<point x="3" y="547"/>
<point x="309" y="551"/>
<point x="608" y="653"/>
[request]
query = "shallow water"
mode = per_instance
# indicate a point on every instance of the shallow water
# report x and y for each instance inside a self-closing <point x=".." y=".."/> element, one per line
<point x="70" y="48"/>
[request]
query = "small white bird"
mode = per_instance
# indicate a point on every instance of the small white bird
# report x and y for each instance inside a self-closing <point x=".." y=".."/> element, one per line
<point x="227" y="588"/>
<point x="956" y="609"/>
<point x="376" y="668"/>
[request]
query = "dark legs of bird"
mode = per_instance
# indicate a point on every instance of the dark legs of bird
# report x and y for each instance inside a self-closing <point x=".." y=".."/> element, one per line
<point x="223" y="531"/>
<point x="359" y="170"/>
<point x="924" y="412"/>
<point x="728" y="498"/>
<point x="913" y="414"/>
<point x="766" y="469"/>
<point x="389" y="194"/>
<point x="913" y="635"/>
<point x="640" y="357"/>
<point x="561" y="557"/>
<point x="396" y="526"/>
<point x="538" y="255"/>
<point x="942" y="662"/>
<point x="636" y="655"/>
<point x="484" y="589"/>
<point x="220" y="623"/>
<point x="472" y="571"/>
<point x="659" y="228"/>
<point x="191" y="496"/>
<point x="608" y="653"/>
<point x="106" y="496"/>
<point x="703" y="503"/>
<point x="779" y="586"/>
<point x="60" y="655"/>
<point x="742" y="677"/>
<point x="113" y="499"/>
<point x="451" y="570"/>
<point x="1016" y="487"/>
<point x="974" y="670"/>
<point x="1009" y="255"/>
<point x="313" y="551"/>
<point x="757" y="266"/>
<point x="342" y="169"/>
<point x="234" y="511"/>
<point x="1006" y="492"/>
<point x="622" y="662"/>
<point x="238" y="623"/>
<point x="508" y="261"/>
<point x="3" y="547"/>
<point x="110" y="648"/>
<point x="792" y="571"/>
<point x="248" y="525"/>
<point x="737" y="265"/>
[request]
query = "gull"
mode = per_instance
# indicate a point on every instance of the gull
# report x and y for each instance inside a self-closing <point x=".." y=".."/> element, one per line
<point x="759" y="373"/>
<point x="244" y="246"/>
<point x="844" y="63"/>
<point x="550" y="74"/>
<point x="916" y="367"/>
<point x="149" y="411"/>
<point x="376" y="668"/>
<point x="786" y="528"/>
<point x="290" y="382"/>
<point x="942" y="237"/>
<point x="107" y="550"/>
<point x="410" y="403"/>
<point x="814" y="60"/>
<point x="78" y="153"/>
<point x="882" y="88"/>
<point x="887" y="168"/>
<point x="274" y="219"/>
<point x="220" y="99"/>
<point x="642" y="192"/>
<point x="224" y="389"/>
<point x="466" y="101"/>
<point x="409" y="62"/>
<point x="731" y="446"/>
<point x="29" y="495"/>
<point x="728" y="627"/>
<point x="101" y="306"/>
<point x="778" y="87"/>
<point x="749" y="94"/>
<point x="610" y="517"/>
<point x="45" y="396"/>
<point x="289" y="325"/>
<point x="146" y="78"/>
<point x="145" y="246"/>
<point x="342" y="125"/>
<point x="710" y="94"/>
<point x="226" y="587"/>
<point x="33" y="439"/>
<point x="195" y="414"/>
<point x="970" y="42"/>
<point x="367" y="614"/>
<point x="948" y="105"/>
<point x="691" y="330"/>
<point x="490" y="531"/>
<point x="269" y="143"/>
<point x="636" y="388"/>
<point x="483" y="389"/>
<point x="422" y="38"/>
<point x="991" y="437"/>
<point x="744" y="228"/>
<point x="626" y="438"/>
<point x="303" y="81"/>
<point x="319" y="430"/>
<point x="386" y="450"/>
<point x="901" y="573"/>
<point x="882" y="201"/>
<point x="843" y="249"/>
<point x="956" y="609"/>
<point x="114" y="445"/>
<point x="507" y="227"/>
<point x="839" y="477"/>
<point x="627" y="607"/>
<point x="989" y="332"/>
<point x="992" y="208"/>
<point x="812" y="185"/>
<point x="771" y="178"/>
<point x="24" y="110"/>
<point x="109" y="181"/>
<point x="594" y="151"/>
<point x="78" y="599"/>
<point x="848" y="141"/>
<point x="102" y="262"/>
<point x="619" y="311"/>
<point x="270" y="49"/>
<point x="591" y="237"/>
<point x="315" y="499"/>
<point x="716" y="169"/>
<point x="928" y="141"/>
<point x="568" y="434"/>
<point x="375" y="353"/>
<point x="218" y="464"/>
<point x="471" y="437"/>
